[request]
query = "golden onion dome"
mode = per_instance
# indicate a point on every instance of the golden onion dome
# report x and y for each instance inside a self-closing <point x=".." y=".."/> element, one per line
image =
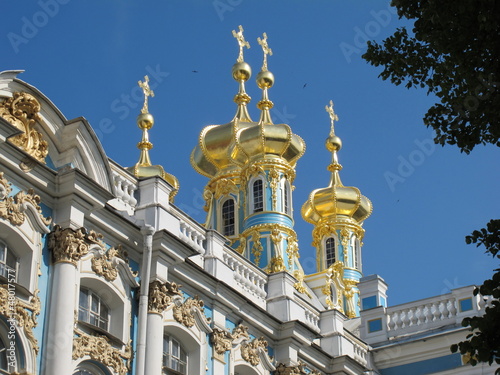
<point x="264" y="139"/>
<point x="336" y="202"/>
<point x="215" y="151"/>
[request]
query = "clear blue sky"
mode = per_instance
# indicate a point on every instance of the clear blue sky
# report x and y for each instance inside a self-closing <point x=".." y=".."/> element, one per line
<point x="88" y="56"/>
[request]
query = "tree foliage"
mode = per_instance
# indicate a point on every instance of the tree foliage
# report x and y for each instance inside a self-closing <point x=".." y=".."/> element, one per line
<point x="453" y="51"/>
<point x="483" y="344"/>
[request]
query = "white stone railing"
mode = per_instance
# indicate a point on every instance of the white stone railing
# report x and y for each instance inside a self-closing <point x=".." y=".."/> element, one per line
<point x="124" y="187"/>
<point x="360" y="353"/>
<point x="249" y="279"/>
<point x="415" y="316"/>
<point x="192" y="234"/>
<point x="420" y="316"/>
<point x="312" y="318"/>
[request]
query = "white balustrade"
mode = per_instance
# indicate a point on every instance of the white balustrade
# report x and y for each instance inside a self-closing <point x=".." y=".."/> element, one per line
<point x="192" y="235"/>
<point x="248" y="279"/>
<point x="124" y="188"/>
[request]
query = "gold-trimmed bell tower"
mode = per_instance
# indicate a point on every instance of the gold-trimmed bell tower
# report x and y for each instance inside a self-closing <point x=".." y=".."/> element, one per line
<point x="337" y="213"/>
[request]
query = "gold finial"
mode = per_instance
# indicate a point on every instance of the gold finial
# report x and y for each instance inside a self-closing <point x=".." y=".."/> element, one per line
<point x="147" y="93"/>
<point x="241" y="41"/>
<point x="266" y="49"/>
<point x="333" y="117"/>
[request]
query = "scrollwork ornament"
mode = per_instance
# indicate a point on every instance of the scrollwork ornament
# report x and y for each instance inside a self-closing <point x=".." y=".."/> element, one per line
<point x="22" y="111"/>
<point x="106" y="265"/>
<point x="69" y="245"/>
<point x="184" y="313"/>
<point x="250" y="350"/>
<point x="161" y="295"/>
<point x="23" y="313"/>
<point x="13" y="208"/>
<point x="282" y="369"/>
<point x="221" y="341"/>
<point x="99" y="349"/>
<point x="274" y="178"/>
<point x="256" y="247"/>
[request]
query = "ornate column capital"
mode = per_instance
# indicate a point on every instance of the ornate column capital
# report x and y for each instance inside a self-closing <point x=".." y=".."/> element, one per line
<point x="161" y="295"/>
<point x="69" y="245"/>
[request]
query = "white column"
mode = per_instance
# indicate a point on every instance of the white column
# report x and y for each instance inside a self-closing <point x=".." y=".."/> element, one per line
<point x="58" y="348"/>
<point x="154" y="343"/>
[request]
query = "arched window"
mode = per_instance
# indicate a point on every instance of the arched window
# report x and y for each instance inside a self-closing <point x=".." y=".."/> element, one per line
<point x="8" y="262"/>
<point x="228" y="215"/>
<point x="330" y="251"/>
<point x="88" y="368"/>
<point x="258" y="196"/>
<point x="4" y="364"/>
<point x="175" y="358"/>
<point x="92" y="310"/>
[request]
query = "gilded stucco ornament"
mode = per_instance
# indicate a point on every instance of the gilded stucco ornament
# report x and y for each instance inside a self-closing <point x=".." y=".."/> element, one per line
<point x="185" y="313"/>
<point x="292" y="250"/>
<point x="14" y="208"/>
<point x="22" y="111"/>
<point x="299" y="285"/>
<point x="69" y="245"/>
<point x="250" y="350"/>
<point x="344" y="238"/>
<point x="161" y="295"/>
<point x="283" y="369"/>
<point x="274" y="179"/>
<point x="24" y="313"/>
<point x="222" y="341"/>
<point x="336" y="288"/>
<point x="276" y="265"/>
<point x="100" y="350"/>
<point x="106" y="264"/>
<point x="240" y="332"/>
<point x="256" y="247"/>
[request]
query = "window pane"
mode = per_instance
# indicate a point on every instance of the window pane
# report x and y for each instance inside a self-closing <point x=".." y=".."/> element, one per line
<point x="11" y="260"/>
<point x="95" y="303"/>
<point x="330" y="251"/>
<point x="228" y="218"/>
<point x="258" y="196"/>
<point x="84" y="301"/>
<point x="2" y="252"/>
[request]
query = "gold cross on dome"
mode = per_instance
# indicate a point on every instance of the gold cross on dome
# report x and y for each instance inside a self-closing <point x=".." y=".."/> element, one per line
<point x="266" y="49"/>
<point x="241" y="42"/>
<point x="333" y="117"/>
<point x="147" y="93"/>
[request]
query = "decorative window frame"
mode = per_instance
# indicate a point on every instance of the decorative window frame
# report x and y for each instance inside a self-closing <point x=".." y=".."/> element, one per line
<point x="251" y="202"/>
<point x="92" y="368"/>
<point x="182" y="349"/>
<point x="336" y="249"/>
<point x="220" y="218"/>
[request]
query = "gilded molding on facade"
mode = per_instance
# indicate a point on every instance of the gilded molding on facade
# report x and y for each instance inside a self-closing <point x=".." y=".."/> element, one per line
<point x="69" y="245"/>
<point x="240" y="331"/>
<point x="184" y="313"/>
<point x="24" y="313"/>
<point x="106" y="265"/>
<point x="161" y="295"/>
<point x="344" y="238"/>
<point x="336" y="287"/>
<point x="222" y="341"/>
<point x="299" y="285"/>
<point x="274" y="179"/>
<point x="13" y="208"/>
<point x="292" y="250"/>
<point x="250" y="350"/>
<point x="99" y="349"/>
<point x="22" y="111"/>
<point x="283" y="369"/>
<point x="276" y="265"/>
<point x="256" y="247"/>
